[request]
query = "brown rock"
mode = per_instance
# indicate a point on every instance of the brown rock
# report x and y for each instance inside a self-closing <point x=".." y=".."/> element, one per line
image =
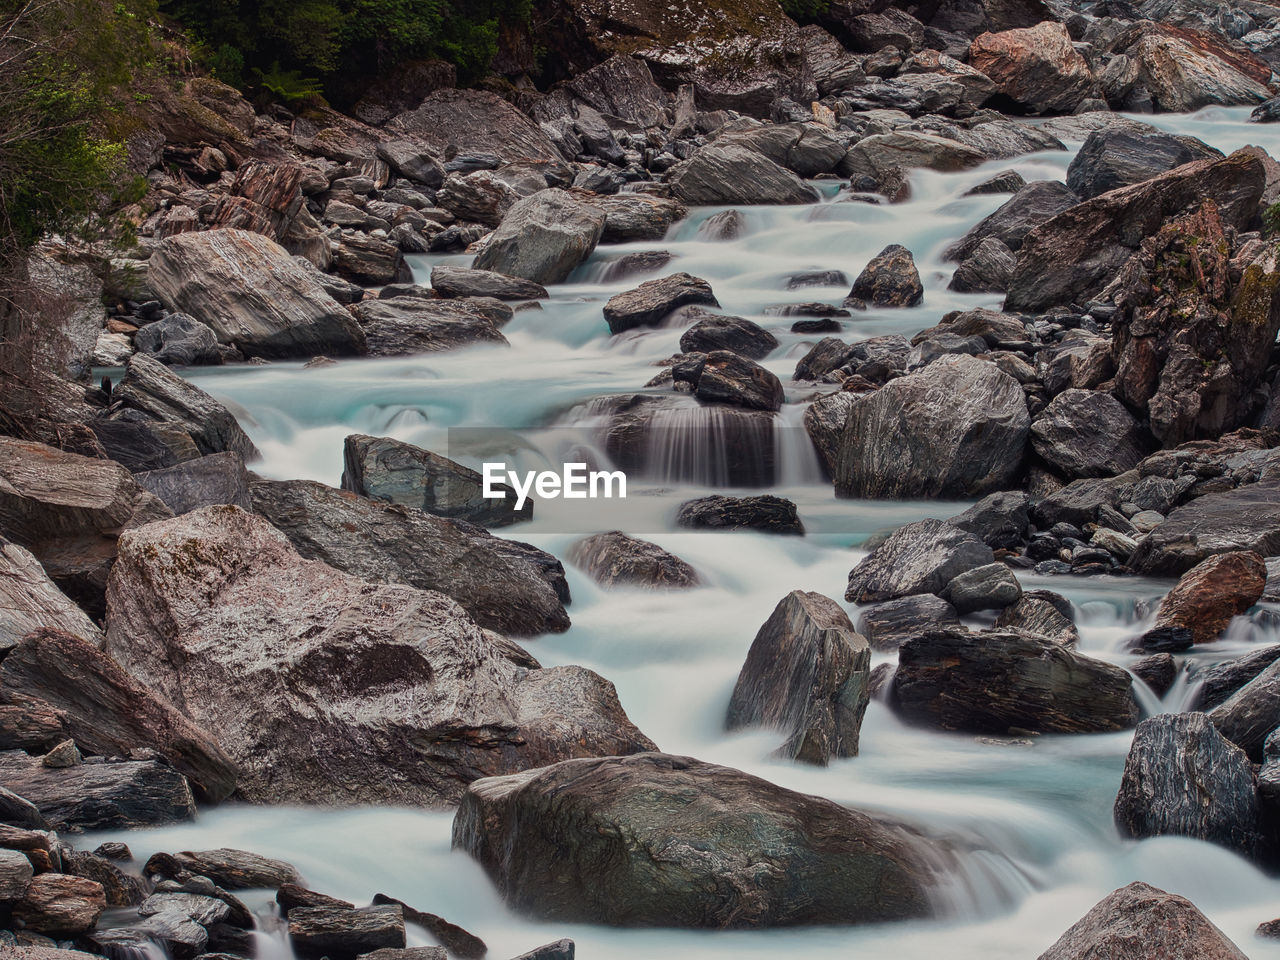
<point x="264" y="198"/>
<point x="61" y="906"/>
<point x="1035" y="67"/>
<point x="1211" y="593"/>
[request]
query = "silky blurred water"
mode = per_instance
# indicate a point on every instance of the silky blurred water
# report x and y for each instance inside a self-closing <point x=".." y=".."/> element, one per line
<point x="1031" y="819"/>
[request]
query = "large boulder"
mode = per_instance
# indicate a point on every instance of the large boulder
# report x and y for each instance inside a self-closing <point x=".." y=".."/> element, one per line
<point x="1247" y="518"/>
<point x="406" y="325"/>
<point x="504" y="585"/>
<point x="623" y="87"/>
<point x="1182" y="778"/>
<point x="1083" y="433"/>
<point x="1071" y="257"/>
<point x="543" y="237"/>
<point x="108" y="712"/>
<point x="251" y="292"/>
<point x="203" y="482"/>
<point x="722" y="377"/>
<point x="553" y="842"/>
<point x="29" y="600"/>
<point x="807" y="674"/>
<point x="1016" y="217"/>
<point x="614" y="559"/>
<point x="1211" y="593"/>
<point x="1179" y="70"/>
<point x="57" y="905"/>
<point x="178" y="339"/>
<point x="1117" y="157"/>
<point x="878" y="162"/>
<point x="957" y="428"/>
<point x="734" y="334"/>
<point x="1138" y="922"/>
<point x="733" y="173"/>
<point x="889" y="624"/>
<point x="460" y="282"/>
<point x="920" y="557"/>
<point x="403" y="697"/>
<point x="1035" y="68"/>
<point x="1249" y="715"/>
<point x="890" y="279"/>
<point x="806" y="149"/>
<point x="474" y="122"/>
<point x="649" y="304"/>
<point x="635" y="216"/>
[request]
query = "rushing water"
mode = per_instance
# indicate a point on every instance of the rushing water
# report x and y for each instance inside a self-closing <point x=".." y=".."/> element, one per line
<point x="1032" y="818"/>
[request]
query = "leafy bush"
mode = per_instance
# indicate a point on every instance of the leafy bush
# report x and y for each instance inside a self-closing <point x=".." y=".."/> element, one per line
<point x="805" y="10"/>
<point x="287" y="86"/>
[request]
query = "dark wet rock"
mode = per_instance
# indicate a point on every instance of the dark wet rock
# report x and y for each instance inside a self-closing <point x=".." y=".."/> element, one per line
<point x="1118" y="157"/>
<point x="1003" y="681"/>
<point x="1247" y="518"/>
<point x="205" y="911"/>
<point x="889" y="624"/>
<point x="547" y="840"/>
<point x="986" y="270"/>
<point x="337" y="932"/>
<point x="557" y="950"/>
<point x="806" y="149"/>
<point x="825" y="325"/>
<point x="998" y="519"/>
<point x="890" y="279"/>
<point x="920" y="557"/>
<point x="459" y="942"/>
<point x="174" y="933"/>
<point x="100" y="796"/>
<point x="226" y="867"/>
<point x="1157" y="671"/>
<point x="824" y="422"/>
<point x="1071" y="257"/>
<point x="1138" y="922"/>
<point x="765" y="513"/>
<point x="29" y="600"/>
<point x="1084" y="433"/>
<point x="1168" y="639"/>
<point x="15" y="875"/>
<point x="1220" y="681"/>
<point x="957" y="428"/>
<point x="634" y="264"/>
<point x="733" y="173"/>
<point x="654" y="300"/>
<point x="1044" y="613"/>
<point x="996" y="329"/>
<point x="216" y="478"/>
<point x="251" y="293"/>
<point x="521" y="592"/>
<point x="635" y="216"/>
<point x="1011" y="181"/>
<point x="108" y="712"/>
<point x="179" y="339"/>
<point x="1182" y="778"/>
<point x="290" y="895"/>
<point x="724" y="377"/>
<point x="121" y="889"/>
<point x="989" y="587"/>
<point x="1251" y="713"/>
<point x="60" y="906"/>
<point x="543" y="237"/>
<point x="401" y="326"/>
<point x="461" y="282"/>
<point x="615" y="559"/>
<point x="729" y="333"/>
<point x="407" y="696"/>
<point x="1019" y="215"/>
<point x="397" y="472"/>
<point x="1036" y="68"/>
<point x="20" y="812"/>
<point x="806" y="675"/>
<point x="1213" y="592"/>
<point x="828" y="354"/>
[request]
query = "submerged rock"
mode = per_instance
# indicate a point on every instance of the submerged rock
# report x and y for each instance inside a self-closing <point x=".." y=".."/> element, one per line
<point x="549" y="840"/>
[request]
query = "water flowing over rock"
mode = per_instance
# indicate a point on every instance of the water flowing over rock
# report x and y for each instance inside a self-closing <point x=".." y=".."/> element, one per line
<point x="1138" y="922"/>
<point x="520" y="592"/>
<point x="920" y="557"/>
<point x="1036" y="68"/>
<point x="957" y="428"/>
<point x="1182" y="778"/>
<point x="550" y="840"/>
<point x="1115" y="157"/>
<point x="890" y="279"/>
<point x="249" y="290"/>
<point x="409" y="698"/>
<point x="1215" y="590"/>
<point x="635" y="216"/>
<point x="615" y="559"/>
<point x="459" y="282"/>
<point x="543" y="237"/>
<point x="403" y="326"/>
<point x="1083" y="433"/>
<point x="229" y="868"/>
<point x="1250" y="714"/>
<point x="725" y="173"/>
<point x="807" y="674"/>
<point x="654" y="300"/>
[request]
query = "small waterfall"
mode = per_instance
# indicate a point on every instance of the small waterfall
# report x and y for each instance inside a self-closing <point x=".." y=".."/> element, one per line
<point x="796" y="456"/>
<point x="711" y="446"/>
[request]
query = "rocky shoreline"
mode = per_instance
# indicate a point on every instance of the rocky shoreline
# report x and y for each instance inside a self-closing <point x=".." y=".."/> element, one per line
<point x="177" y="632"/>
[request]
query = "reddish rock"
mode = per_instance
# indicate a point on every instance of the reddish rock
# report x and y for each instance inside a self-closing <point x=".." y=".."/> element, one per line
<point x="1211" y="593"/>
<point x="61" y="906"/>
<point x="1036" y="67"/>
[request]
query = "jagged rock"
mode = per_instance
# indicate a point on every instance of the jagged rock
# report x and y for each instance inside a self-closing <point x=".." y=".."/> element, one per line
<point x="957" y="428"/>
<point x="1210" y="594"/>
<point x="173" y="932"/>
<point x="1158" y="671"/>
<point x="1182" y="778"/>
<point x="1071" y="257"/>
<point x="216" y="478"/>
<point x="543" y="237"/>
<point x="1182" y="70"/>
<point x="479" y="197"/>
<point x="15" y="875"/>
<point x="205" y="911"/>
<point x="1084" y="433"/>
<point x="1019" y="215"/>
<point x="546" y="838"/>
<point x="1003" y="680"/>
<point x="998" y="519"/>
<point x="556" y="950"/>
<point x="341" y="933"/>
<point x="615" y="559"/>
<point x="920" y="557"/>
<point x="623" y="87"/>
<point x="734" y="334"/>
<point x="521" y="591"/>
<point x="396" y="472"/>
<point x="459" y="942"/>
<point x="1117" y="157"/>
<point x="732" y="173"/>
<point x="654" y="300"/>
<point x="251" y="293"/>
<point x="121" y="889"/>
<point x="402" y="326"/>
<point x="986" y="270"/>
<point x="1042" y="612"/>
<point x="233" y="869"/>
<point x="57" y="905"/>
<point x="108" y="712"/>
<point x="460" y="282"/>
<point x="806" y="149"/>
<point x="1138" y="922"/>
<point x="889" y="624"/>
<point x="1222" y="680"/>
<point x="474" y="122"/>
<point x="807" y="675"/>
<point x="726" y="378"/>
<point x="31" y="725"/>
<point x="365" y="259"/>
<point x="830" y="353"/>
<point x="1247" y="518"/>
<point x="290" y="895"/>
<point x="443" y="702"/>
<point x="890" y="279"/>
<point x="1249" y="715"/>
<point x="29" y="600"/>
<point x="20" y="812"/>
<point x="1036" y="68"/>
<point x="990" y="587"/>
<point x="179" y="339"/>
<point x="766" y="513"/>
<point x="636" y="216"/>
<point x="100" y="796"/>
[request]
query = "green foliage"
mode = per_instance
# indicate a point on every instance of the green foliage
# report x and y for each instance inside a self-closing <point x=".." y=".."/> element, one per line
<point x="804" y="11"/>
<point x="288" y="86"/>
<point x="1271" y="220"/>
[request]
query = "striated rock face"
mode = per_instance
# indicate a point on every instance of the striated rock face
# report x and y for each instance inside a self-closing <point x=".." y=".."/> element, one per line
<point x="1084" y="433"/>
<point x="920" y="557"/>
<point x="617" y="560"/>
<point x="1036" y="68"/>
<point x="1182" y="70"/>
<point x="108" y="712"/>
<point x="890" y="279"/>
<point x="727" y="378"/>
<point x="543" y="237"/>
<point x="503" y="584"/>
<point x="1211" y="593"/>
<point x="1072" y="257"/>
<point x="1117" y="157"/>
<point x="474" y="121"/>
<point x="724" y="173"/>
<point x="403" y="326"/>
<point x="251" y="292"/>
<point x="1249" y="715"/>
<point x="606" y="841"/>
<point x="734" y="334"/>
<point x="460" y="282"/>
<point x="879" y="162"/>
<point x="343" y="933"/>
<point x="808" y="675"/>
<point x="1002" y="681"/>
<point x="29" y="600"/>
<point x="404" y="698"/>
<point x="1183" y="778"/>
<point x="1247" y="518"/>
<point x="957" y="428"/>
<point x="1019" y="215"/>
<point x="1138" y="922"/>
<point x="61" y="906"/>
